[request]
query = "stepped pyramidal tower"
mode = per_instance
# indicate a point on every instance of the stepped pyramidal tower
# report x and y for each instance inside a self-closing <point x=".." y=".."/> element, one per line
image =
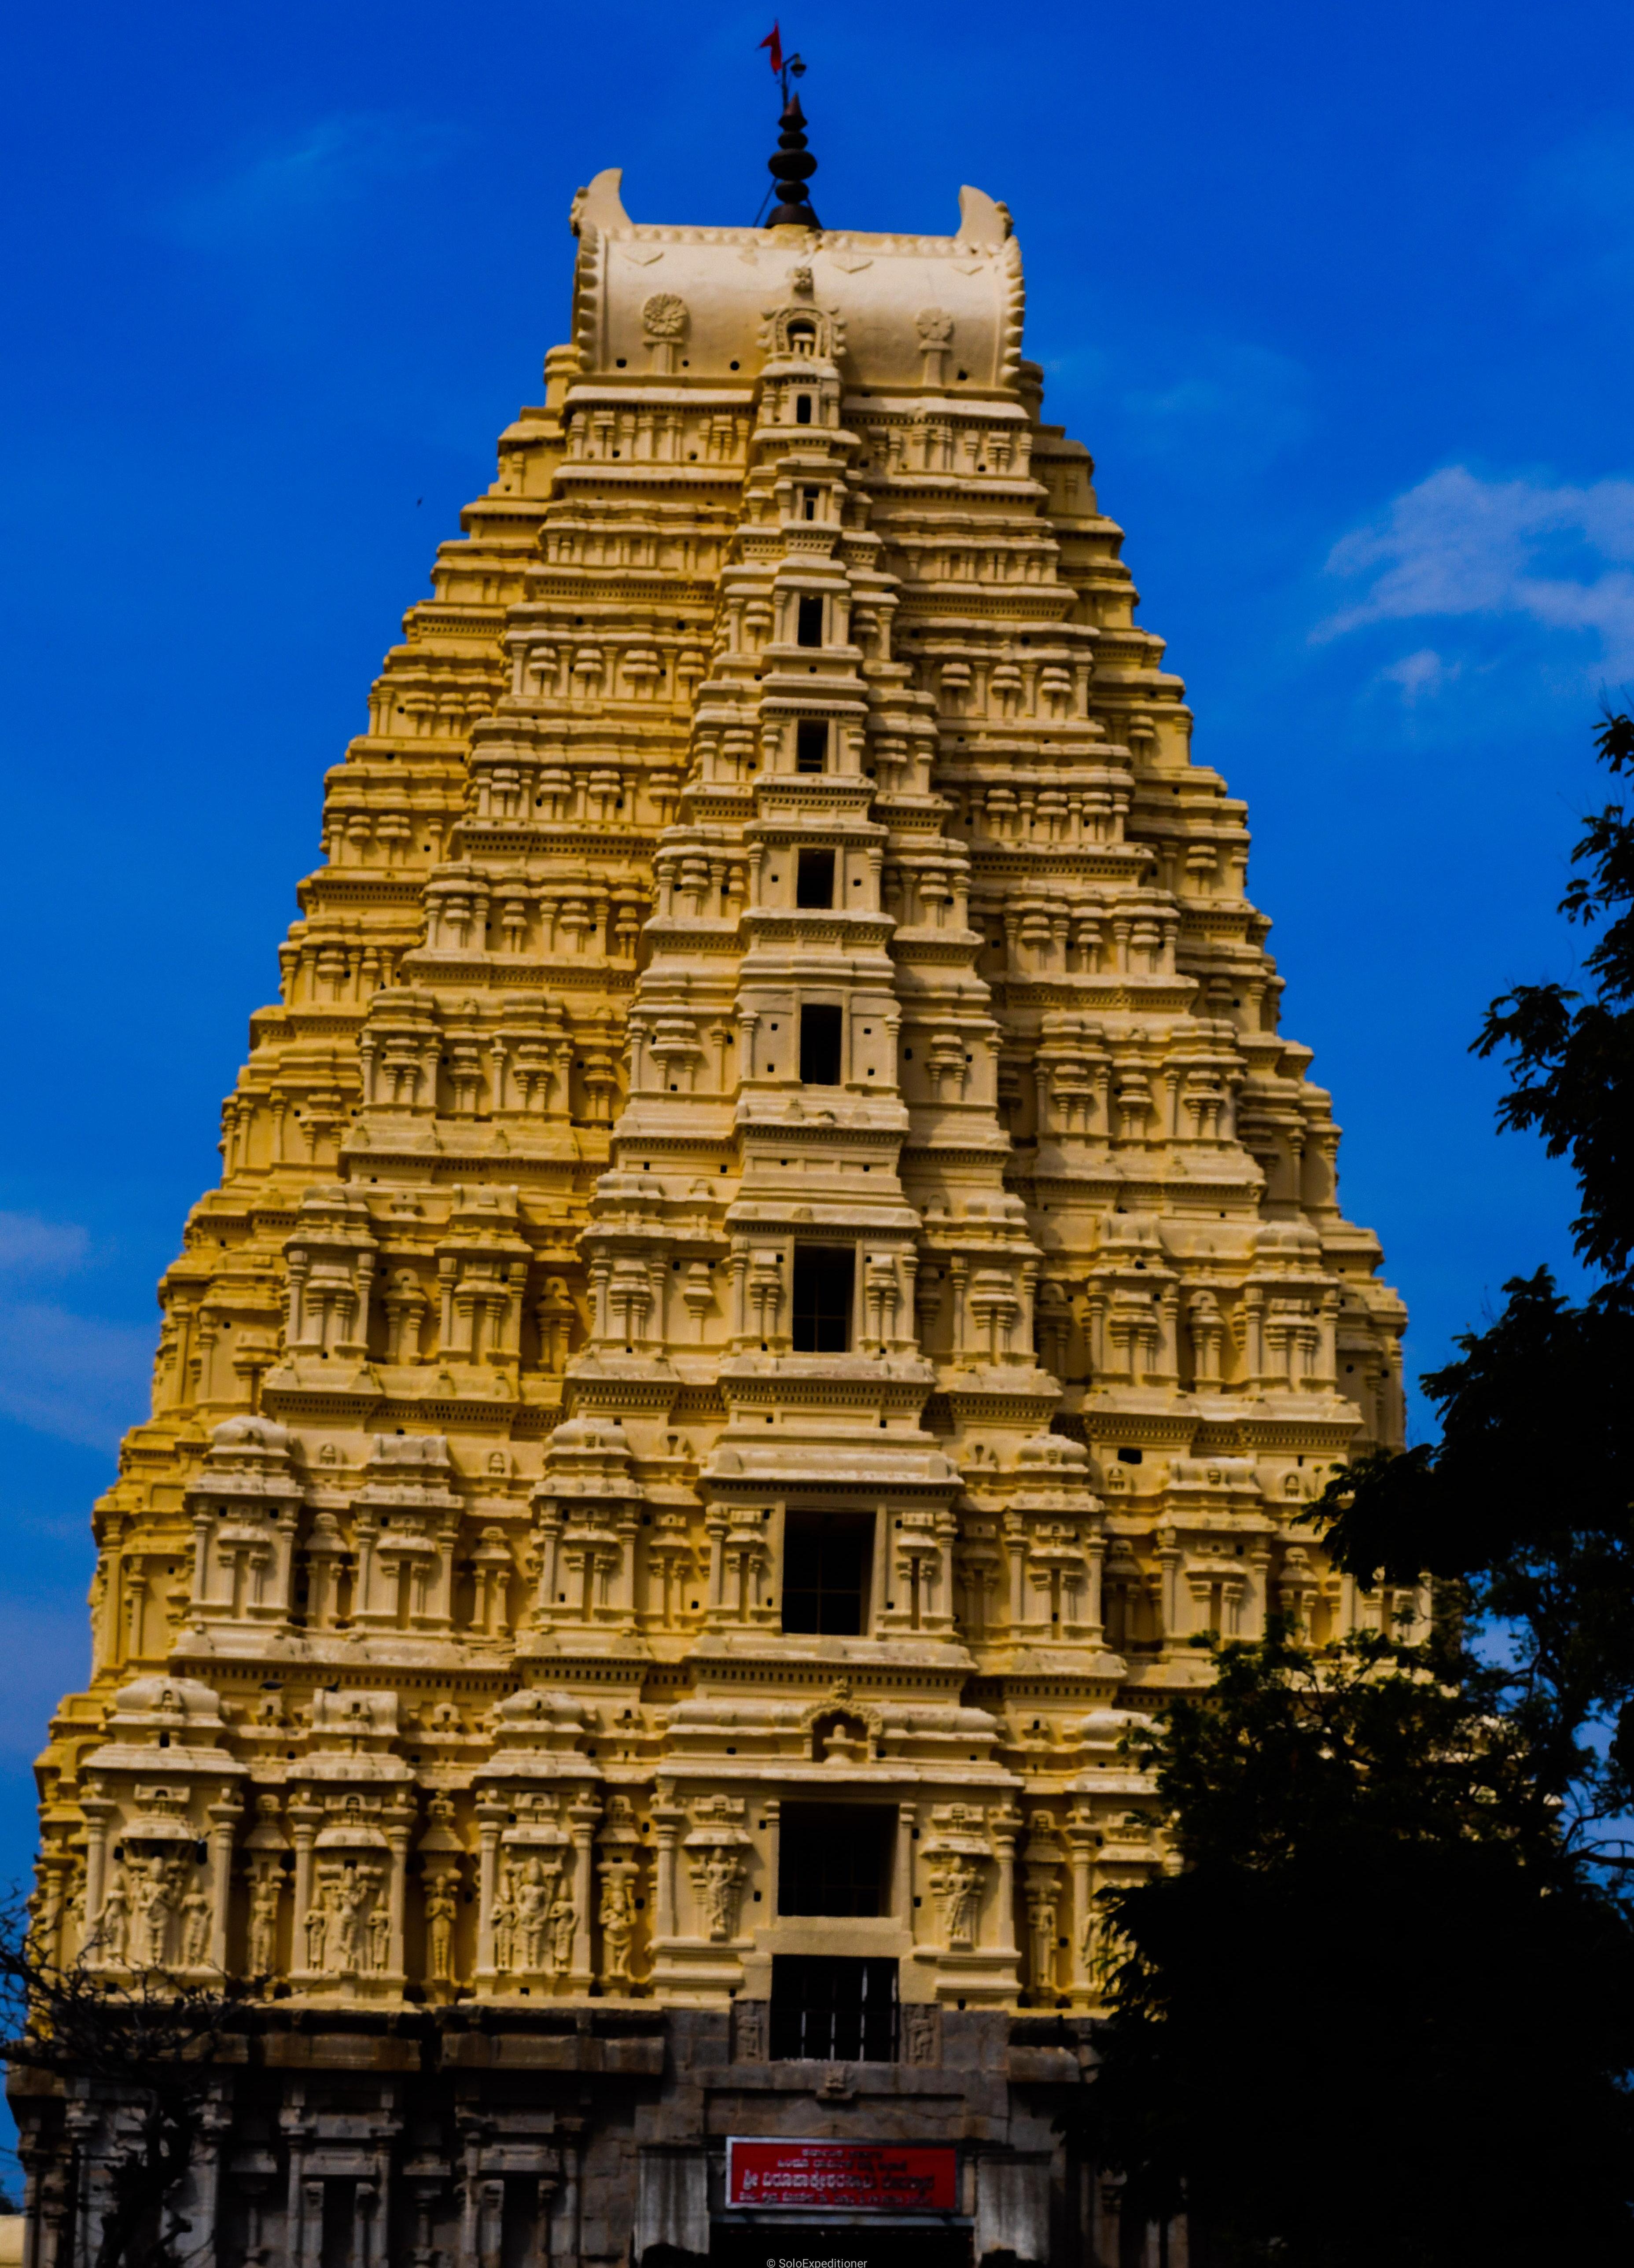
<point x="773" y="1269"/>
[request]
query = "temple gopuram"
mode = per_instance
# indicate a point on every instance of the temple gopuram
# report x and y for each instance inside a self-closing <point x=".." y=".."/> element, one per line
<point x="773" y="1271"/>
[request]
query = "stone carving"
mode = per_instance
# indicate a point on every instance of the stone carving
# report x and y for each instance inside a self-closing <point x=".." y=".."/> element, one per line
<point x="663" y="328"/>
<point x="196" y="1917"/>
<point x="617" y="1918"/>
<point x="748" y="2031"/>
<point x="922" y="2033"/>
<point x="477" y="1178"/>
<point x="441" y="1908"/>
<point x="346" y="1923"/>
<point x="114" y="1922"/>
<point x="936" y="334"/>
<point x="718" y="1877"/>
<point x="155" y="1896"/>
<point x="716" y="1850"/>
<point x="439" y="1851"/>
<point x="956" y="1883"/>
<point x="619" y="1841"/>
<point x="265" y="1894"/>
<point x="664" y="316"/>
<point x="505" y="1922"/>
<point x="563" y="1923"/>
<point x="534" y="1899"/>
<point x="1041" y="1920"/>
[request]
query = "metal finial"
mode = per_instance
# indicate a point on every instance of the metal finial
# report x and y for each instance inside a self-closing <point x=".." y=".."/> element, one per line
<point x="791" y="168"/>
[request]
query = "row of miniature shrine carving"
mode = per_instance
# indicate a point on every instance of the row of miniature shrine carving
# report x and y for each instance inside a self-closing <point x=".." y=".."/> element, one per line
<point x="837" y="1296"/>
<point x="777" y="746"/>
<point x="512" y="789"/>
<point x="1081" y="1087"/>
<point x="279" y="1125"/>
<point x="646" y="432"/>
<point x="410" y="1065"/>
<point x="394" y="1570"/>
<point x="1264" y="1336"/>
<point x="357" y="826"/>
<point x="1073" y="936"/>
<point x="642" y="660"/>
<point x="473" y="1310"/>
<point x="321" y="970"/>
<point x="1071" y="809"/>
<point x="559" y="1895"/>
<point x="936" y="441"/>
<point x="1007" y="686"/>
<point x="1017" y="1578"/>
<point x="1020" y="1574"/>
<point x="431" y="695"/>
<point x="476" y="912"/>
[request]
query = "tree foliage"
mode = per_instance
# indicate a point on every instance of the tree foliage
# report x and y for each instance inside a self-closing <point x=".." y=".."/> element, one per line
<point x="1527" y="1501"/>
<point x="1383" y="2007"/>
<point x="1379" y="2011"/>
<point x="144" y="2044"/>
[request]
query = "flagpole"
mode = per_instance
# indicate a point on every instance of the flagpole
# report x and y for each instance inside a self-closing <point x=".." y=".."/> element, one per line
<point x="785" y="67"/>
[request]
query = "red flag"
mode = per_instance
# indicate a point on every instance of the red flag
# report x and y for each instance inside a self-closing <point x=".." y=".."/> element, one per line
<point x="774" y="40"/>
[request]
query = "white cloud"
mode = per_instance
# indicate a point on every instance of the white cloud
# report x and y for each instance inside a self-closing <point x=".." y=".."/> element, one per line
<point x="47" y="1647"/>
<point x="1420" y="676"/>
<point x="31" y="1247"/>
<point x="308" y="176"/>
<point x="74" y="1376"/>
<point x="1560" y="557"/>
<point x="77" y="1377"/>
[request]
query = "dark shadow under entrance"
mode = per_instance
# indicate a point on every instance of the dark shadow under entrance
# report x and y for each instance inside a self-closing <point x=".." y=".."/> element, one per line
<point x="833" y="2244"/>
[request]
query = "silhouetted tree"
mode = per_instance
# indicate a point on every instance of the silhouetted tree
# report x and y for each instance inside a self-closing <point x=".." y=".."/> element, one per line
<point x="1380" y="2011"/>
<point x="1525" y="1507"/>
<point x="1384" y="2006"/>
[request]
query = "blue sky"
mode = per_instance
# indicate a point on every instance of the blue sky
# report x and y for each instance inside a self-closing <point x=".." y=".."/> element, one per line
<point x="1340" y="299"/>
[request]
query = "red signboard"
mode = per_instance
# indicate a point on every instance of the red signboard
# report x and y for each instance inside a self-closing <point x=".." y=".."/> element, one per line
<point x="849" y="2176"/>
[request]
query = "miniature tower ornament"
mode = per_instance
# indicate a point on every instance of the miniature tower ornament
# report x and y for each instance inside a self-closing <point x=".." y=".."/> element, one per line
<point x="774" y="1269"/>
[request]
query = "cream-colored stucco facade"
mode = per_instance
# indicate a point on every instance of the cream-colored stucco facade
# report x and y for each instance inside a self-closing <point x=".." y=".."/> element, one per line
<point x="439" y="1611"/>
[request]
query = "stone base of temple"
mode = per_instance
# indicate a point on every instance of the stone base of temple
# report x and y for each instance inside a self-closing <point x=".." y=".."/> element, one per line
<point x="499" y="2139"/>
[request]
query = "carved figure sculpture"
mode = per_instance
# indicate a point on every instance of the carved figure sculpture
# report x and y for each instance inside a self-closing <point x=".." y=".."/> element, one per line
<point x="195" y="1915"/>
<point x="316" y="1928"/>
<point x="564" y="1929"/>
<point x="441" y="1909"/>
<point x="265" y="1892"/>
<point x="153" y="1900"/>
<point x="505" y="1922"/>
<point x="618" y="1923"/>
<point x="533" y="1913"/>
<point x="720" y="1879"/>
<point x="114" y="1922"/>
<point x="351" y="1939"/>
<point x="956" y="1883"/>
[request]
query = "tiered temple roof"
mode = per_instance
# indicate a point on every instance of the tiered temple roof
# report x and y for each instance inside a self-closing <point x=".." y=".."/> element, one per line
<point x="770" y="1250"/>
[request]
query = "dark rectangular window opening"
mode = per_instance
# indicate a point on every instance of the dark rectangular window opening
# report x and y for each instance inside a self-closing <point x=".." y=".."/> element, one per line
<point x="808" y="620"/>
<point x="813" y="881"/>
<point x="826" y="1559"/>
<point x="832" y="2009"/>
<point x="802" y="410"/>
<point x="823" y="1276"/>
<point x="820" y="1029"/>
<point x="808" y="504"/>
<point x="834" y="1857"/>
<point x="811" y="744"/>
